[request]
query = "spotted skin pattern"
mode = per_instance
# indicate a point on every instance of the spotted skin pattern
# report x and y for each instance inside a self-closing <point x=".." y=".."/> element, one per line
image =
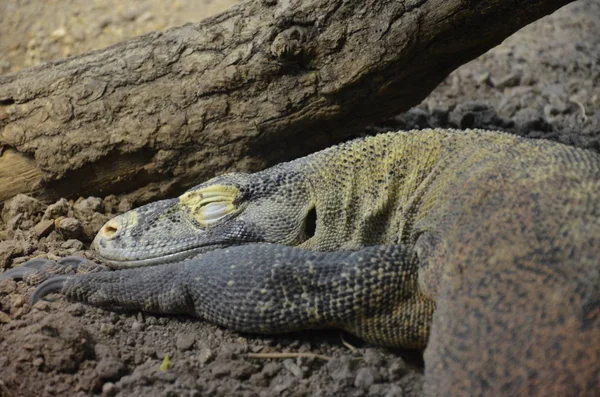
<point x="481" y="246"/>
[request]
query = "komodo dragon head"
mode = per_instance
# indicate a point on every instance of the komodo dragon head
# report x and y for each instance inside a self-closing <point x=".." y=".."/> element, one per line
<point x="233" y="209"/>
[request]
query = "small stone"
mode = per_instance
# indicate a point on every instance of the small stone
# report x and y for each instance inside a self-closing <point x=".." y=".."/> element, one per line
<point x="8" y="286"/>
<point x="394" y="391"/>
<point x="15" y="222"/>
<point x="109" y="389"/>
<point x="131" y="14"/>
<point x="38" y="362"/>
<point x="4" y="318"/>
<point x="206" y="355"/>
<point x="271" y="369"/>
<point x="92" y="227"/>
<point x="103" y="351"/>
<point x="5" y="66"/>
<point x="377" y="390"/>
<point x="221" y="369"/>
<point x="341" y="369"/>
<point x="373" y="357"/>
<point x="242" y="370"/>
<point x="76" y="309"/>
<point x="365" y="377"/>
<point x="59" y="33"/>
<point x="60" y="208"/>
<point x="9" y="249"/>
<point x="259" y="380"/>
<point x="482" y="78"/>
<point x="145" y="17"/>
<point x="114" y="318"/>
<point x="124" y="206"/>
<point x="232" y="350"/>
<point x="69" y="228"/>
<point x="184" y="342"/>
<point x="285" y="384"/>
<point x="72" y="244"/>
<point x="44" y="227"/>
<point x="110" y="204"/>
<point x="397" y="368"/>
<point x="85" y="208"/>
<point x="137" y="326"/>
<point x="18" y="301"/>
<point x="510" y="80"/>
<point x="107" y="329"/>
<point x="7" y="234"/>
<point x="21" y="204"/>
<point x="291" y="366"/>
<point x="110" y="369"/>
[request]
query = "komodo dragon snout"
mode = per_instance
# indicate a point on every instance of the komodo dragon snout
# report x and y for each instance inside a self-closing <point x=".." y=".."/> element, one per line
<point x="232" y="209"/>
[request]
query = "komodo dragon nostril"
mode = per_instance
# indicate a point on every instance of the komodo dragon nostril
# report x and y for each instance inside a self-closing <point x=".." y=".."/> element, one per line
<point x="109" y="230"/>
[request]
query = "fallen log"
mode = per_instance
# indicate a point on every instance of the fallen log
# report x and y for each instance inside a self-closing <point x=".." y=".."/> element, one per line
<point x="263" y="82"/>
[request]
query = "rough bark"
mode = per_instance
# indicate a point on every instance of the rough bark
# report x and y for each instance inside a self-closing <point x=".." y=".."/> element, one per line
<point x="264" y="82"/>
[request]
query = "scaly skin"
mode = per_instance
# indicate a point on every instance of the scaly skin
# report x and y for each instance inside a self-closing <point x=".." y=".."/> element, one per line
<point x="482" y="246"/>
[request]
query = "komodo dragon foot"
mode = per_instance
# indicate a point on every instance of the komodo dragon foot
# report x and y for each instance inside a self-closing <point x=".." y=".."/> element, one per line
<point x="37" y="270"/>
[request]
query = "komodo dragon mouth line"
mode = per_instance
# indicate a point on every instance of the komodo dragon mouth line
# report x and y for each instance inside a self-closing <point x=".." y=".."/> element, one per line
<point x="188" y="253"/>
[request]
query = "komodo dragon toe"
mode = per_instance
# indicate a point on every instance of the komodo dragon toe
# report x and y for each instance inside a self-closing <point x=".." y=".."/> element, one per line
<point x="482" y="246"/>
<point x="37" y="270"/>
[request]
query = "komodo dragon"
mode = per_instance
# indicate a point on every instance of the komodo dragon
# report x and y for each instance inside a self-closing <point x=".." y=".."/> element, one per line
<point x="482" y="246"/>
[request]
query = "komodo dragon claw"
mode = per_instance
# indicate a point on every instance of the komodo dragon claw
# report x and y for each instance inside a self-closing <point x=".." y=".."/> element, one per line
<point x="48" y="287"/>
<point x="28" y="268"/>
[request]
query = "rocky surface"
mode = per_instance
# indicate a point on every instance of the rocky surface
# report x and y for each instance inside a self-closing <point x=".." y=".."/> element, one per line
<point x="542" y="83"/>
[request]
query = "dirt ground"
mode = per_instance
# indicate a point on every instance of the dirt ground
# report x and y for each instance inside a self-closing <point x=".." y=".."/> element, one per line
<point x="544" y="82"/>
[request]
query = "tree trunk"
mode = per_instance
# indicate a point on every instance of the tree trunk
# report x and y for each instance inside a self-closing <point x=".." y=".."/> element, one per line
<point x="264" y="82"/>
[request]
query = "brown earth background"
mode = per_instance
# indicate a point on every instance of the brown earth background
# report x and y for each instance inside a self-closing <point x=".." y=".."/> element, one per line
<point x="543" y="82"/>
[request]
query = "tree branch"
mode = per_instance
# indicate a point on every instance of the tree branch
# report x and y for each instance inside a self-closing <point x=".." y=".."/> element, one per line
<point x="264" y="82"/>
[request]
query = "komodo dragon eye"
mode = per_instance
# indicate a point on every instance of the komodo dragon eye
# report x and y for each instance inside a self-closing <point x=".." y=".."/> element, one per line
<point x="210" y="204"/>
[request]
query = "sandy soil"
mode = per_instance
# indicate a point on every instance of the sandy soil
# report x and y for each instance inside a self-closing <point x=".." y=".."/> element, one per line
<point x="544" y="82"/>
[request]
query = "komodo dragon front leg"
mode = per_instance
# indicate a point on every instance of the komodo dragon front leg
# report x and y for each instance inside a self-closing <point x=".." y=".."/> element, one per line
<point x="267" y="288"/>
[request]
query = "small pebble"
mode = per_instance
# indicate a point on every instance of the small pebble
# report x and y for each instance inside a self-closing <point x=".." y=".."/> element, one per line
<point x="365" y="377"/>
<point x="18" y="301"/>
<point x="373" y="357"/>
<point x="137" y="326"/>
<point x="124" y="206"/>
<point x="4" y="318"/>
<point x="85" y="208"/>
<point x="109" y="389"/>
<point x="44" y="227"/>
<point x="69" y="228"/>
<point x="38" y="362"/>
<point x="510" y="80"/>
<point x="76" y="309"/>
<point x="206" y="355"/>
<point x="107" y="329"/>
<point x="60" y="208"/>
<point x="185" y="341"/>
<point x="397" y="368"/>
<point x="291" y="366"/>
<point x="242" y="370"/>
<point x="271" y="369"/>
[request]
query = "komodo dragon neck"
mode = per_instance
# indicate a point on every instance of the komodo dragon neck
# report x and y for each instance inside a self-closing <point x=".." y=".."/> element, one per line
<point x="369" y="192"/>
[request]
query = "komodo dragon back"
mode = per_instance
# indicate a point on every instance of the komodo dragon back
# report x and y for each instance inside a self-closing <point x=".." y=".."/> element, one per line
<point x="481" y="246"/>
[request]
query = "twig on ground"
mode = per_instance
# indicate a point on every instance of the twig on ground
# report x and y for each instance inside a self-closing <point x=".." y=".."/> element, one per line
<point x="288" y="355"/>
